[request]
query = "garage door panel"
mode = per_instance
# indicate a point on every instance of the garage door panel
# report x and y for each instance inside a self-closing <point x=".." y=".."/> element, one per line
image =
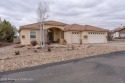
<point x="75" y="37"/>
<point x="96" y="38"/>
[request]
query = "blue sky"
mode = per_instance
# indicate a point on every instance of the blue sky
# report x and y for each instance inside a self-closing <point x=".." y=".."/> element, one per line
<point x="107" y="14"/>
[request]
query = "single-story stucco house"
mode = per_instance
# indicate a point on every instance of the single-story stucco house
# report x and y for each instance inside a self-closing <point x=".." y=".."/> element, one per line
<point x="119" y="32"/>
<point x="55" y="31"/>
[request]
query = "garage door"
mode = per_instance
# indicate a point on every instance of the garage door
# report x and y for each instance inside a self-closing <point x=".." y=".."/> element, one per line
<point x="96" y="37"/>
<point x="75" y="37"/>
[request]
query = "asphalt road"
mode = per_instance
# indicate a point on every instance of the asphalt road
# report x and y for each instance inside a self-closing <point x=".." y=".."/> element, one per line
<point x="109" y="68"/>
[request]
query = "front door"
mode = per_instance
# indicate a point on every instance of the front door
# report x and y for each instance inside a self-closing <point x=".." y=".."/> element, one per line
<point x="50" y="37"/>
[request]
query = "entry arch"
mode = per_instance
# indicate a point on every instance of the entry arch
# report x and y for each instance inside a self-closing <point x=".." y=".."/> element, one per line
<point x="55" y="34"/>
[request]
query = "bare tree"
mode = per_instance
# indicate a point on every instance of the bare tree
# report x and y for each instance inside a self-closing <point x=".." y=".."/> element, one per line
<point x="42" y="13"/>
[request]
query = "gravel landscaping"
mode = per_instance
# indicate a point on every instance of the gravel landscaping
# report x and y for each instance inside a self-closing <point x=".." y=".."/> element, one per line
<point x="29" y="56"/>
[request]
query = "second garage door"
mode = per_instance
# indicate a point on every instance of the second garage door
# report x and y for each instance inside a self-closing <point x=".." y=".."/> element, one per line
<point x="75" y="37"/>
<point x="96" y="37"/>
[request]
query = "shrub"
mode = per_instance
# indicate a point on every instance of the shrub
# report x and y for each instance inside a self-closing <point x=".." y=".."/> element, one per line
<point x="17" y="53"/>
<point x="34" y="43"/>
<point x="35" y="51"/>
<point x="48" y="43"/>
<point x="49" y="49"/>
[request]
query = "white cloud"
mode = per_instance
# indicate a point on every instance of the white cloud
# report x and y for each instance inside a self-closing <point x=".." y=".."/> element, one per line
<point x="103" y="13"/>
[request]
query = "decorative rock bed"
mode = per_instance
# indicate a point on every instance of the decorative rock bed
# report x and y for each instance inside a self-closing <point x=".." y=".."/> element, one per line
<point x="29" y="58"/>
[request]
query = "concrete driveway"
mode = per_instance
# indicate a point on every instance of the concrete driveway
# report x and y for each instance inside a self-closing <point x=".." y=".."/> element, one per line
<point x="114" y="43"/>
<point x="109" y="68"/>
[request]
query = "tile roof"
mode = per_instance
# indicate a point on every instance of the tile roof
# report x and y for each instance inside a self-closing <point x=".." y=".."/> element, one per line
<point x="77" y="27"/>
<point x="68" y="27"/>
<point x="36" y="25"/>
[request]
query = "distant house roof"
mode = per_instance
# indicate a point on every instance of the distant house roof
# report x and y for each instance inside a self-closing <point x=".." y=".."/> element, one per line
<point x="119" y="29"/>
<point x="116" y="29"/>
<point x="36" y="25"/>
<point x="77" y="27"/>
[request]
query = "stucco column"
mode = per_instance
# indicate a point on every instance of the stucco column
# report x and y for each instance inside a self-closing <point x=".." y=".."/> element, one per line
<point x="45" y="35"/>
<point x="62" y="34"/>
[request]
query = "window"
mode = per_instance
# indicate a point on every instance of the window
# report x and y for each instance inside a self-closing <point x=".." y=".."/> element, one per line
<point x="32" y="34"/>
<point x="75" y="33"/>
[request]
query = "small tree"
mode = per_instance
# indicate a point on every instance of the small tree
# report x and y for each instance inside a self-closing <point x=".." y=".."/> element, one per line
<point x="42" y="13"/>
<point x="7" y="31"/>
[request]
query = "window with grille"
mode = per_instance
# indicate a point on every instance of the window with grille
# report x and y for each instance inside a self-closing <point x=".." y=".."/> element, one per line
<point x="32" y="34"/>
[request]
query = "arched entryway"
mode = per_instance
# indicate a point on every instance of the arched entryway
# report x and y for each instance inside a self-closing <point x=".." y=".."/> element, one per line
<point x="54" y="35"/>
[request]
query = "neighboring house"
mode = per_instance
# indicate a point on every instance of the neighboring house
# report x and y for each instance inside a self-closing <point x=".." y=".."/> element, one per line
<point x="55" y="31"/>
<point x="119" y="32"/>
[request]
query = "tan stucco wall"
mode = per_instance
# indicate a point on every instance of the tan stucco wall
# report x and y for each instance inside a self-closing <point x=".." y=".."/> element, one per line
<point x="84" y="33"/>
<point x="37" y="36"/>
<point x="67" y="36"/>
<point x="57" y="34"/>
<point x="27" y="40"/>
<point x="106" y="34"/>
